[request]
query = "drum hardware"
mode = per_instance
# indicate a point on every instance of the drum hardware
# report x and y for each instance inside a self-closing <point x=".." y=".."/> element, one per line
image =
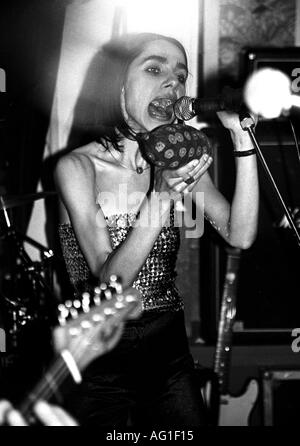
<point x="25" y="262"/>
<point x="19" y="317"/>
<point x="10" y="201"/>
<point x="27" y="276"/>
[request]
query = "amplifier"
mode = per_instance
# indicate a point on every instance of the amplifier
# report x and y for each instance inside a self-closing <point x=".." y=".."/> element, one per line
<point x="283" y="59"/>
<point x="281" y="402"/>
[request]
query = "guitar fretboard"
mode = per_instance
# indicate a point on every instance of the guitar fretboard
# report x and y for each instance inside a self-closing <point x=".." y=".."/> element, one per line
<point x="227" y="316"/>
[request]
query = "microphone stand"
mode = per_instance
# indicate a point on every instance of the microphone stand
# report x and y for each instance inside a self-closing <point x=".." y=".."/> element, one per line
<point x="247" y="124"/>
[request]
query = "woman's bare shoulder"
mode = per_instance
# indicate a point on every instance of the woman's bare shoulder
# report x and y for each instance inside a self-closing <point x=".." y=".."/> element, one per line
<point x="75" y="176"/>
<point x="87" y="156"/>
<point x="81" y="161"/>
<point x="78" y="158"/>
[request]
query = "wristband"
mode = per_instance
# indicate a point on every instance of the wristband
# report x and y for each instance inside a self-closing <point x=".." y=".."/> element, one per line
<point x="239" y="153"/>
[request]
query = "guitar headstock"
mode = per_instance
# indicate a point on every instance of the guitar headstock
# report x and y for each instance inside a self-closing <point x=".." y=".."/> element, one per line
<point x="93" y="326"/>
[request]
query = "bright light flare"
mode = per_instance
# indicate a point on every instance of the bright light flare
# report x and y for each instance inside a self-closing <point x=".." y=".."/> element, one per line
<point x="268" y="93"/>
<point x="158" y="16"/>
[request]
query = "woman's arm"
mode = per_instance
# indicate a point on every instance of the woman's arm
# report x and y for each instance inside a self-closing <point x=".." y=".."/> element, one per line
<point x="236" y="223"/>
<point x="75" y="181"/>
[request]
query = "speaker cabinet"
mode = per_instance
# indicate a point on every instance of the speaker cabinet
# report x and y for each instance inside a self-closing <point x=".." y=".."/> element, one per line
<point x="268" y="304"/>
<point x="281" y="403"/>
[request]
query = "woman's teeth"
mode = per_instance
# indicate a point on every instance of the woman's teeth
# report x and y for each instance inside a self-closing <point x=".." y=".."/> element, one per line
<point x="163" y="102"/>
<point x="161" y="108"/>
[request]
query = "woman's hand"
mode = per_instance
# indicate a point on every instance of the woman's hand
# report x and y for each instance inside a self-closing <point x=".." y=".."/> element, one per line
<point x="183" y="179"/>
<point x="240" y="138"/>
<point x="48" y="414"/>
<point x="231" y="121"/>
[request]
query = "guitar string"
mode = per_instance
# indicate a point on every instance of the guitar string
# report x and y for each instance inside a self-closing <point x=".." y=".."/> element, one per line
<point x="42" y="389"/>
<point x="59" y="371"/>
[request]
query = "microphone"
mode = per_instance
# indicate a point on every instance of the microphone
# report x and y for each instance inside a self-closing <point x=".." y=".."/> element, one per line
<point x="186" y="108"/>
<point x="268" y="93"/>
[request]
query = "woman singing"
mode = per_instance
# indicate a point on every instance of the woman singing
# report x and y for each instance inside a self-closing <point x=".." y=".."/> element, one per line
<point x="108" y="191"/>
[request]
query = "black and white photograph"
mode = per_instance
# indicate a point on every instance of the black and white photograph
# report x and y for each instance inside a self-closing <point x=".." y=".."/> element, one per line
<point x="149" y="216"/>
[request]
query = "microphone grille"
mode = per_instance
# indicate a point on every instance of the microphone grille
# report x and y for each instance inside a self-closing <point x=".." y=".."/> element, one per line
<point x="183" y="108"/>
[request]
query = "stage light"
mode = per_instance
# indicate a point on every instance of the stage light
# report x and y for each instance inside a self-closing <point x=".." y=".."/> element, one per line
<point x="268" y="93"/>
<point x="161" y="16"/>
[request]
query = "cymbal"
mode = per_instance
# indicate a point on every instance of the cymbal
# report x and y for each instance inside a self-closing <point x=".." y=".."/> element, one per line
<point x="10" y="201"/>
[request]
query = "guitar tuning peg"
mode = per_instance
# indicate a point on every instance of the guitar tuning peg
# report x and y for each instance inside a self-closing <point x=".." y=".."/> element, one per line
<point x="119" y="305"/>
<point x="109" y="311"/>
<point x="130" y="298"/>
<point x="77" y="304"/>
<point x="63" y="314"/>
<point x="97" y="295"/>
<point x="113" y="278"/>
<point x="74" y="331"/>
<point x="73" y="313"/>
<point x="86" y="298"/>
<point x="61" y="308"/>
<point x="98" y="318"/>
<point x="114" y="282"/>
<point x="108" y="294"/>
<point x="86" y="325"/>
<point x="103" y="286"/>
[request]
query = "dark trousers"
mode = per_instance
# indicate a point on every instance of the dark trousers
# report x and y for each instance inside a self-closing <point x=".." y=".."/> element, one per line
<point x="148" y="380"/>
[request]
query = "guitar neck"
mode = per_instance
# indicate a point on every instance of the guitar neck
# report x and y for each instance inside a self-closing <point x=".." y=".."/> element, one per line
<point x="222" y="361"/>
<point x="47" y="387"/>
<point x="226" y="321"/>
<point x="84" y="337"/>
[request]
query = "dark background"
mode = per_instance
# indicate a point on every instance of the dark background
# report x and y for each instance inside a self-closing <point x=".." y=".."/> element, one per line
<point x="268" y="304"/>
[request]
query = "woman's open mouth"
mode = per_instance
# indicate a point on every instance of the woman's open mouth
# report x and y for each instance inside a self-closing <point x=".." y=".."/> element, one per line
<point x="161" y="109"/>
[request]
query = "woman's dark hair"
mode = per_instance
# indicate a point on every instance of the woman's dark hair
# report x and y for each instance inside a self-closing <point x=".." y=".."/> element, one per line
<point x="98" y="114"/>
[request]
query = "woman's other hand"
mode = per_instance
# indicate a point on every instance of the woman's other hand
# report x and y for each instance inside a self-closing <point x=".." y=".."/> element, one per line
<point x="183" y="179"/>
<point x="231" y="121"/>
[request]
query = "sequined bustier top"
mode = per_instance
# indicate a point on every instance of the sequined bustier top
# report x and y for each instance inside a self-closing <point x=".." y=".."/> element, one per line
<point x="156" y="279"/>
